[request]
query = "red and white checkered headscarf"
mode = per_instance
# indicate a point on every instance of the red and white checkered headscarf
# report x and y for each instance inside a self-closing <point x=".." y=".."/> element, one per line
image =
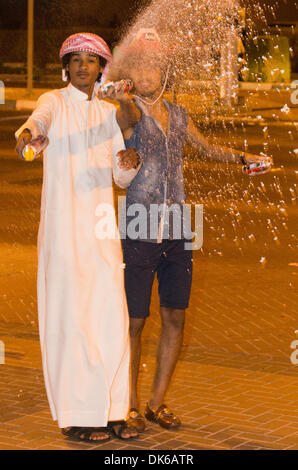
<point x="86" y="42"/>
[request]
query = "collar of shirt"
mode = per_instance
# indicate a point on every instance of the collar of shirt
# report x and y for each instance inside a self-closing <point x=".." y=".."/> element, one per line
<point x="78" y="95"/>
<point x="144" y="108"/>
<point x="145" y="111"/>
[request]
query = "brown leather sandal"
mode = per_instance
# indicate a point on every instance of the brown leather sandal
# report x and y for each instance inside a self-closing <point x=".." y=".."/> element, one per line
<point x="163" y="416"/>
<point x="136" y="420"/>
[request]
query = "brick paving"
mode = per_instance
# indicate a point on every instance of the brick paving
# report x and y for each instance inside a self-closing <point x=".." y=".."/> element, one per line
<point x="227" y="401"/>
<point x="235" y="386"/>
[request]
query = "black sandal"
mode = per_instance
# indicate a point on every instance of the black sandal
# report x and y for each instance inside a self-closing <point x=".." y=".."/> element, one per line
<point x="75" y="433"/>
<point x="123" y="427"/>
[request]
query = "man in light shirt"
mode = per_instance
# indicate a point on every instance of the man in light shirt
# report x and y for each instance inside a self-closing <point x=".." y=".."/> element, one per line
<point x="82" y="310"/>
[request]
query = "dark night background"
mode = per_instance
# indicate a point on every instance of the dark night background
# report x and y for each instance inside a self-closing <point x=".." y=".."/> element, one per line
<point x="57" y="13"/>
<point x="54" y="20"/>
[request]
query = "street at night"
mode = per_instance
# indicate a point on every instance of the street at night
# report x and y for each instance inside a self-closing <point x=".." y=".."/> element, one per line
<point x="182" y="104"/>
<point x="235" y="384"/>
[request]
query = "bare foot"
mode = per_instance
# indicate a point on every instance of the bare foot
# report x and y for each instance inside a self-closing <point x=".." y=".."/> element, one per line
<point x="95" y="434"/>
<point x="124" y="432"/>
<point x="87" y="433"/>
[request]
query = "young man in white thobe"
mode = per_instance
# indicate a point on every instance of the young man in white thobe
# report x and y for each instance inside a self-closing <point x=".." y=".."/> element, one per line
<point x="83" y="319"/>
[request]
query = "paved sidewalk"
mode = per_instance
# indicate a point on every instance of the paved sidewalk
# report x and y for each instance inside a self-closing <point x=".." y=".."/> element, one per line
<point x="234" y="388"/>
<point x="230" y="392"/>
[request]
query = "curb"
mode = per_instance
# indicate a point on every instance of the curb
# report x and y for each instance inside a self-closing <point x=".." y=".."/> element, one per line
<point x="239" y="121"/>
<point x="25" y="104"/>
<point x="8" y="104"/>
<point x="252" y="86"/>
<point x="29" y="104"/>
<point x="234" y="121"/>
<point x="248" y="86"/>
<point x="18" y="105"/>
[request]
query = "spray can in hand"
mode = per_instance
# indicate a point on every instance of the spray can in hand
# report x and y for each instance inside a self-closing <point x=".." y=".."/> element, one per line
<point x="256" y="167"/>
<point x="34" y="148"/>
<point x="106" y="87"/>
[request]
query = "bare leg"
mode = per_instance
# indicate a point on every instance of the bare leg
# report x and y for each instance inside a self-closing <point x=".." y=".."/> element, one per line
<point x="135" y="329"/>
<point x="169" y="348"/>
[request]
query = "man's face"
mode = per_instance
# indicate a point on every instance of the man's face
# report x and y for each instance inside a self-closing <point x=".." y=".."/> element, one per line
<point x="84" y="69"/>
<point x="146" y="80"/>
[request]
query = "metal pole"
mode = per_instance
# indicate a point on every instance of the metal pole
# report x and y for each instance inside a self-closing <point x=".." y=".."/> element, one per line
<point x="30" y="47"/>
<point x="229" y="68"/>
<point x="229" y="57"/>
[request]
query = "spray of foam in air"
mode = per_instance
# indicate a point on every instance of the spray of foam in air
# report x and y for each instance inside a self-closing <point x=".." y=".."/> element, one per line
<point x="193" y="34"/>
<point x="200" y="40"/>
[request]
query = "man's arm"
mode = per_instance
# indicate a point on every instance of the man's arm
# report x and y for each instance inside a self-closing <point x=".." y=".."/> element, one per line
<point x="126" y="163"/>
<point x="38" y="123"/>
<point x="128" y="114"/>
<point x="209" y="150"/>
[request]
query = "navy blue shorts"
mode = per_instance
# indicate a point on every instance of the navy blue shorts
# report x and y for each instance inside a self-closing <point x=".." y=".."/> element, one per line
<point x="173" y="265"/>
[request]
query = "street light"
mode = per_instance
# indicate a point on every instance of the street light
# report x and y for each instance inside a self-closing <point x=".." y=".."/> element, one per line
<point x="30" y="47"/>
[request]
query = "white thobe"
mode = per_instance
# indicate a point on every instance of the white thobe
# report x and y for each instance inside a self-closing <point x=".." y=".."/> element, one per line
<point x="82" y="311"/>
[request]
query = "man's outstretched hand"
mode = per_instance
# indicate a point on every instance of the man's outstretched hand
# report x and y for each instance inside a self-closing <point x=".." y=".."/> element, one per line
<point x="118" y="92"/>
<point x="128" y="159"/>
<point x="24" y="138"/>
<point x="256" y="164"/>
